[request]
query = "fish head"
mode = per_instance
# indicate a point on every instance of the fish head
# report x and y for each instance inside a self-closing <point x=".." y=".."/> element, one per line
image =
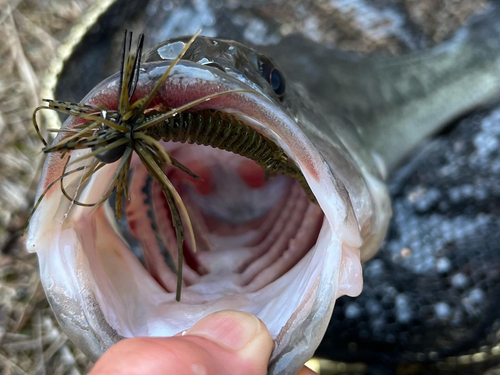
<point x="265" y="246"/>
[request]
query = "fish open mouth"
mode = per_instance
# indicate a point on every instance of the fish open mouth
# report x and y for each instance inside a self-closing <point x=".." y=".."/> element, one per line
<point x="250" y="235"/>
<point x="263" y="245"/>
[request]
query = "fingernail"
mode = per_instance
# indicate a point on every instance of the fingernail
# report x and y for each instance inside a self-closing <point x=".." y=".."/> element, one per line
<point x="229" y="328"/>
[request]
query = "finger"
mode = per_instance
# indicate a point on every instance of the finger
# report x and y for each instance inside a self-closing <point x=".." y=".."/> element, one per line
<point x="218" y="344"/>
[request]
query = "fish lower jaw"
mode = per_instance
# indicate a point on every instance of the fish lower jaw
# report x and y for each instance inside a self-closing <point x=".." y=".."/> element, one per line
<point x="115" y="297"/>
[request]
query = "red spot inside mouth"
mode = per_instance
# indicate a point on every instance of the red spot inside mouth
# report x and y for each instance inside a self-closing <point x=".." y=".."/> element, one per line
<point x="132" y="226"/>
<point x="252" y="174"/>
<point x="204" y="184"/>
<point x="192" y="261"/>
<point x="166" y="219"/>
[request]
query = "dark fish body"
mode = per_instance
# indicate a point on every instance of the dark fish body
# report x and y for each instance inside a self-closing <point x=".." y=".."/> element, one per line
<point x="431" y="293"/>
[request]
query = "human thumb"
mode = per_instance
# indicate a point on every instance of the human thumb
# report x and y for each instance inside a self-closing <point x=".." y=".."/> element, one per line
<point x="226" y="342"/>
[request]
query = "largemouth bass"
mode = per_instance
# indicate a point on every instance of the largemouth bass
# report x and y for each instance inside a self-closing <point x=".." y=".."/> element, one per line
<point x="264" y="246"/>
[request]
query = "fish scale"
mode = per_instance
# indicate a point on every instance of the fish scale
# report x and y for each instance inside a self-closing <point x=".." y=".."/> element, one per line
<point x="453" y="300"/>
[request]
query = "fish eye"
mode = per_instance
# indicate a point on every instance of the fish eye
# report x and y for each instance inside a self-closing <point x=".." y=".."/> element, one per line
<point x="277" y="82"/>
<point x="273" y="76"/>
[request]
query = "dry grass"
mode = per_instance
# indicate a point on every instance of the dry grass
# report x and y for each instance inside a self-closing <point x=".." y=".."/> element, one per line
<point x="31" y="342"/>
<point x="439" y="19"/>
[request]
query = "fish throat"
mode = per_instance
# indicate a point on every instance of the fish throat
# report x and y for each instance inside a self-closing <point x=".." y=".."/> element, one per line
<point x="250" y="229"/>
<point x="271" y="173"/>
